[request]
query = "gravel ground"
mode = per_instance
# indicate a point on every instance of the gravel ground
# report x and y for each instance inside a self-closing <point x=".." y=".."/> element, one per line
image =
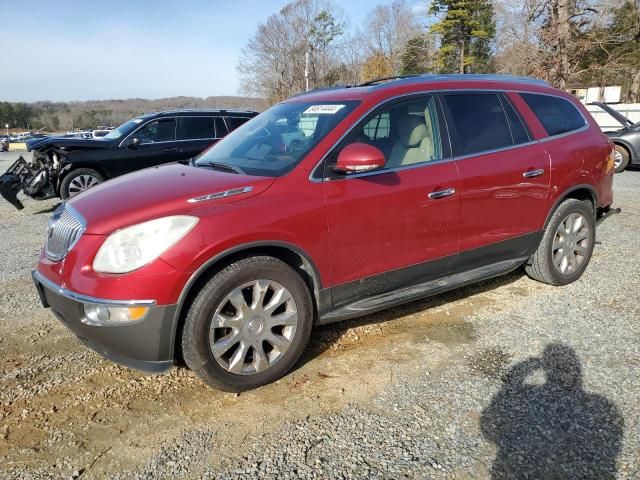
<point x="505" y="379"/>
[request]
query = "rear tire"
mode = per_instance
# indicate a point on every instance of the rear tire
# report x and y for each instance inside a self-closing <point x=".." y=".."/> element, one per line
<point x="566" y="246"/>
<point x="622" y="158"/>
<point x="234" y="339"/>
<point x="79" y="180"/>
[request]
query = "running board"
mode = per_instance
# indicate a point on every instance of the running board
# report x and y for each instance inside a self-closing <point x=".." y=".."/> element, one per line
<point x="426" y="289"/>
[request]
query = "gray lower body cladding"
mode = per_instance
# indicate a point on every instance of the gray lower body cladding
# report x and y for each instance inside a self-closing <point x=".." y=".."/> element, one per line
<point x="145" y="345"/>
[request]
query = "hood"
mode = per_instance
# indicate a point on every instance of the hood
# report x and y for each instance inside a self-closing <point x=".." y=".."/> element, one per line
<point x="158" y="192"/>
<point x="615" y="114"/>
<point x="68" y="143"/>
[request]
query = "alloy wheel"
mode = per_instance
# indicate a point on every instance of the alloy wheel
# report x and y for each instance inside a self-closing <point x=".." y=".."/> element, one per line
<point x="253" y="326"/>
<point x="82" y="183"/>
<point x="571" y="243"/>
<point x="617" y="158"/>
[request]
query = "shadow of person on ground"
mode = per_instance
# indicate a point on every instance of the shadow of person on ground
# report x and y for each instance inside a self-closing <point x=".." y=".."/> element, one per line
<point x="553" y="430"/>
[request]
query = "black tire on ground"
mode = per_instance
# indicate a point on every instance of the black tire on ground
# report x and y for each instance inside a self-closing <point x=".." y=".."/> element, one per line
<point x="624" y="153"/>
<point x="196" y="349"/>
<point x="74" y="174"/>
<point x="541" y="266"/>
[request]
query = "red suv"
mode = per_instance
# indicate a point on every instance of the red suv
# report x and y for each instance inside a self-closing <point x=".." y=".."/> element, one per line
<point x="395" y="190"/>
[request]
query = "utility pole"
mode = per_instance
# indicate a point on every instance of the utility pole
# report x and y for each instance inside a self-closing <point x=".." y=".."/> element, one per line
<point x="306" y="69"/>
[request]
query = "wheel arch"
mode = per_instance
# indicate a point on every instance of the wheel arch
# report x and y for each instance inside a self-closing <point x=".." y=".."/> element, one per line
<point x="579" y="192"/>
<point x="290" y="254"/>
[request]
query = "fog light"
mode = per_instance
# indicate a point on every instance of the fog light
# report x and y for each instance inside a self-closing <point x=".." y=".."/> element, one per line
<point x="102" y="315"/>
<point x="96" y="314"/>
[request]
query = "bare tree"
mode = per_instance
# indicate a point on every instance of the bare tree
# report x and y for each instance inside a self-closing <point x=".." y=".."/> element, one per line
<point x="388" y="29"/>
<point x="272" y="65"/>
<point x="516" y="42"/>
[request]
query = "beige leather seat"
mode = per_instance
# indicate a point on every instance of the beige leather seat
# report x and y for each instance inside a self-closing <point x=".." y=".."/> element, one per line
<point x="414" y="144"/>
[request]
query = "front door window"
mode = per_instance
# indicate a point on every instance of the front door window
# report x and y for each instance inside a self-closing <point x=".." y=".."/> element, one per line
<point x="157" y="131"/>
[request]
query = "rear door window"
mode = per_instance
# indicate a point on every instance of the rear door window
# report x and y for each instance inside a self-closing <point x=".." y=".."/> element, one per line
<point x="519" y="131"/>
<point x="196" y="128"/>
<point x="479" y="122"/>
<point x="235" y="122"/>
<point x="556" y="114"/>
<point x="221" y="128"/>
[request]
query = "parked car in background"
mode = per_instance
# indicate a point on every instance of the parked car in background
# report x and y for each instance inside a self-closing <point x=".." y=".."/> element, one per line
<point x="293" y="136"/>
<point x="404" y="188"/>
<point x="625" y="139"/>
<point x="64" y="167"/>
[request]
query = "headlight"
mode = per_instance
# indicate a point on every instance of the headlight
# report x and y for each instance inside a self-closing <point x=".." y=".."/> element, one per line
<point x="133" y="247"/>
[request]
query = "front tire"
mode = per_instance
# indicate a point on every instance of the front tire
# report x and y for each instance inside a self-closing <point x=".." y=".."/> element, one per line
<point x="248" y="325"/>
<point x="79" y="180"/>
<point x="622" y="158"/>
<point x="566" y="246"/>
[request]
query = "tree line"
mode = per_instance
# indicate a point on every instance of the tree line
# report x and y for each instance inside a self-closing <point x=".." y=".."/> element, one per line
<point x="63" y="116"/>
<point x="566" y="42"/>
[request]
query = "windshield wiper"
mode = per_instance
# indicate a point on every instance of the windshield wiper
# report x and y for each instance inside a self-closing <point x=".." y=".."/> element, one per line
<point x="224" y="167"/>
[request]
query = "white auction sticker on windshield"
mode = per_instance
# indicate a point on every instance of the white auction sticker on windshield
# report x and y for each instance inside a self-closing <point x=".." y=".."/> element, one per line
<point x="323" y="109"/>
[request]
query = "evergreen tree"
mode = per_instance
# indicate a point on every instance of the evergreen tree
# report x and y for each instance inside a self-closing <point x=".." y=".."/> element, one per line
<point x="417" y="56"/>
<point x="466" y="31"/>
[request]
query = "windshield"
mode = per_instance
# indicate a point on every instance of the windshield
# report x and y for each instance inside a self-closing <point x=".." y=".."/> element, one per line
<point x="275" y="141"/>
<point x="123" y="129"/>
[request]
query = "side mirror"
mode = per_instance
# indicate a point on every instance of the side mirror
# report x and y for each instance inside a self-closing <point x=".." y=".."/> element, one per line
<point x="358" y="158"/>
<point x="134" y="143"/>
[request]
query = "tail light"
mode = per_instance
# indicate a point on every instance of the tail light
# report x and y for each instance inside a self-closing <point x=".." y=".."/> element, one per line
<point x="611" y="159"/>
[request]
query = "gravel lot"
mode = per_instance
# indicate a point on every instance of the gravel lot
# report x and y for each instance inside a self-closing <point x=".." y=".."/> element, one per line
<point x="507" y="378"/>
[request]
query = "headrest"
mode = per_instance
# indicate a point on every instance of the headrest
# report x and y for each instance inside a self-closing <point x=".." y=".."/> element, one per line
<point x="428" y="121"/>
<point x="412" y="130"/>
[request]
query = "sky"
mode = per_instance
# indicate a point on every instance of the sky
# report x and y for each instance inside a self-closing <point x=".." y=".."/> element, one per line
<point x="77" y="50"/>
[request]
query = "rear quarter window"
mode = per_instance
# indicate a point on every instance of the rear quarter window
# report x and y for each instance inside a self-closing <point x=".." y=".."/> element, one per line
<point x="556" y="114"/>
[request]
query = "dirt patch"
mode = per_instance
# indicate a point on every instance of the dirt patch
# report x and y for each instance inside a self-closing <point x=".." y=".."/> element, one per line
<point x="490" y="362"/>
<point x="67" y="408"/>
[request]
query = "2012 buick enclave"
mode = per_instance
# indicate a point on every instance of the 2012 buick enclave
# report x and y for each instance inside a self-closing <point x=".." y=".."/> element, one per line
<point x="398" y="189"/>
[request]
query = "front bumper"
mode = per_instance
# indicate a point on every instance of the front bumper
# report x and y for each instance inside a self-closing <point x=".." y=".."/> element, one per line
<point x="145" y="345"/>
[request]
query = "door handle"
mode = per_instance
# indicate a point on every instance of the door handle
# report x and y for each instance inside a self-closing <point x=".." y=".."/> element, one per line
<point x="533" y="173"/>
<point x="447" y="192"/>
<point x="172" y="149"/>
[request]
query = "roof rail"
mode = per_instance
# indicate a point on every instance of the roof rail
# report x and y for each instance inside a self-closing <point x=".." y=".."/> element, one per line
<point x="434" y="77"/>
<point x="386" y="79"/>
<point x="319" y="89"/>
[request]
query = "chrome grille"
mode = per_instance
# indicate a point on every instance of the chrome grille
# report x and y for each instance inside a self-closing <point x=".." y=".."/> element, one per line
<point x="64" y="230"/>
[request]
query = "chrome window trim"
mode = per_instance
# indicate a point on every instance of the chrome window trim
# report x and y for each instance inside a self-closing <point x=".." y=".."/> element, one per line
<point x="453" y="157"/>
<point x="189" y="140"/>
<point x="78" y="297"/>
